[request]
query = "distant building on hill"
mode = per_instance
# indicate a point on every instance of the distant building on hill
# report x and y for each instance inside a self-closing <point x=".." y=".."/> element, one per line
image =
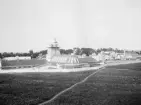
<point x="131" y="55"/>
<point x="109" y="55"/>
<point x="120" y="56"/>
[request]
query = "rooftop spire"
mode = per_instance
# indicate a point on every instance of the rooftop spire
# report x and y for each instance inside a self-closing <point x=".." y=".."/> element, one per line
<point x="55" y="40"/>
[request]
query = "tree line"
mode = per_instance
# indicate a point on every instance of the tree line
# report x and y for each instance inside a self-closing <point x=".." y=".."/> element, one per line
<point x="76" y="51"/>
<point x="89" y="51"/>
<point x="31" y="53"/>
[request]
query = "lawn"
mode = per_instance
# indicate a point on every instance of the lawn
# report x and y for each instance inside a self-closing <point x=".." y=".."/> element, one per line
<point x="35" y="88"/>
<point x="110" y="86"/>
<point x="136" y="66"/>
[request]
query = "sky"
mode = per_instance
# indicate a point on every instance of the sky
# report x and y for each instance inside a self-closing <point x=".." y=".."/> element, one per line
<point x="33" y="24"/>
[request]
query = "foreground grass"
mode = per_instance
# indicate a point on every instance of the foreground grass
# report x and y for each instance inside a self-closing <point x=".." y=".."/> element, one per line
<point x="108" y="87"/>
<point x="134" y="66"/>
<point x="35" y="88"/>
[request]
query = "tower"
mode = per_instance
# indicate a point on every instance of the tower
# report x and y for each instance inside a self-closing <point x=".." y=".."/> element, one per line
<point x="53" y="50"/>
<point x="124" y="54"/>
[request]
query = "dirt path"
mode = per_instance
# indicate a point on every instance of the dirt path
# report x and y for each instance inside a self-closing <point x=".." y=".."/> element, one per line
<point x="57" y="95"/>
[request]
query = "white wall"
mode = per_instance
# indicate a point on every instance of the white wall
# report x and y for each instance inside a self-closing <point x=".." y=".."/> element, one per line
<point x="15" y="58"/>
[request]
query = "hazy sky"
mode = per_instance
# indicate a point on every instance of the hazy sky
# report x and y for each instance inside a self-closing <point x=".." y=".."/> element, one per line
<point x="33" y="24"/>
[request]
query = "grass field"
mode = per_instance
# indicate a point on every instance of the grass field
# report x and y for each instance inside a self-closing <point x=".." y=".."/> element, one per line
<point x="115" y="85"/>
<point x="135" y="66"/>
<point x="34" y="88"/>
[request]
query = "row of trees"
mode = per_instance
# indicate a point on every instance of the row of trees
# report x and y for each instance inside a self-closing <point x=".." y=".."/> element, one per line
<point x="20" y="54"/>
<point x="77" y="51"/>
<point x="89" y="51"/>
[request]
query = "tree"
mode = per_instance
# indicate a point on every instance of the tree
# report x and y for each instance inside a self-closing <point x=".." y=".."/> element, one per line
<point x="18" y="54"/>
<point x="62" y="51"/>
<point x="98" y="51"/>
<point x="43" y="52"/>
<point x="35" y="55"/>
<point x="5" y="54"/>
<point x="0" y="56"/>
<point x="68" y="51"/>
<point x="11" y="54"/>
<point x="87" y="51"/>
<point x="31" y="53"/>
<point x="76" y="51"/>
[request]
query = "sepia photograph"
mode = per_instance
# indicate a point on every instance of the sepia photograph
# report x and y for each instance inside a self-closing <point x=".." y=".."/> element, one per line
<point x="70" y="52"/>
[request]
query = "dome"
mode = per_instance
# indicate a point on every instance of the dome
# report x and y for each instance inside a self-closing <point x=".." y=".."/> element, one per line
<point x="69" y="59"/>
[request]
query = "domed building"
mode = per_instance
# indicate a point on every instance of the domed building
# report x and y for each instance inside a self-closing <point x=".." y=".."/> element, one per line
<point x="67" y="61"/>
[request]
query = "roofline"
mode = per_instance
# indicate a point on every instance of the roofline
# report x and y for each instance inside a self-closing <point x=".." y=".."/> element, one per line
<point x="53" y="47"/>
